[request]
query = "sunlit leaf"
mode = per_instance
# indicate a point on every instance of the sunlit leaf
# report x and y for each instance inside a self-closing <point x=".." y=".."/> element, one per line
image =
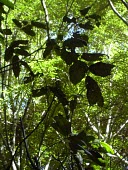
<point x="107" y="147"/>
<point x="94" y="94"/>
<point x="77" y="71"/>
<point x="101" y="69"/>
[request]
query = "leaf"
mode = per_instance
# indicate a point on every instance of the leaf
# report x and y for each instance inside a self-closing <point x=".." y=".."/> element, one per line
<point x="60" y="95"/>
<point x="94" y="94"/>
<point x="16" y="66"/>
<point x="85" y="10"/>
<point x="62" y="125"/>
<point x="16" y="43"/>
<point x="69" y="20"/>
<point x="39" y="92"/>
<point x="7" y="31"/>
<point x="39" y="24"/>
<point x="101" y="69"/>
<point x="9" y="53"/>
<point x="28" y="79"/>
<point x="8" y="3"/>
<point x="107" y="147"/>
<point x="28" y="30"/>
<point x="68" y="57"/>
<point x="28" y="68"/>
<point x="21" y="52"/>
<point x="92" y="56"/>
<point x="50" y="44"/>
<point x="17" y="23"/>
<point x="77" y="71"/>
<point x="95" y="156"/>
<point x="86" y="26"/>
<point x="74" y="42"/>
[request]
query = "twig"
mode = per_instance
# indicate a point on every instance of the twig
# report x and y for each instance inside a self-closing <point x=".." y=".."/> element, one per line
<point x="125" y="3"/>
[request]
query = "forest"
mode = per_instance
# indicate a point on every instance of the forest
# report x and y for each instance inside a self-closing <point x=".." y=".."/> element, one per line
<point x="63" y="85"/>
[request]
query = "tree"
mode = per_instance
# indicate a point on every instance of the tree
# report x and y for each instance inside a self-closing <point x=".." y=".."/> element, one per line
<point x="60" y="105"/>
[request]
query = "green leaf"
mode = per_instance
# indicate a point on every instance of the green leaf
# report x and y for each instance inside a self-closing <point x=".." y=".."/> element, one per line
<point x="92" y="56"/>
<point x="77" y="71"/>
<point x="85" y="10"/>
<point x="107" y="147"/>
<point x="94" y="94"/>
<point x="8" y="3"/>
<point x="101" y="69"/>
<point x="16" y="66"/>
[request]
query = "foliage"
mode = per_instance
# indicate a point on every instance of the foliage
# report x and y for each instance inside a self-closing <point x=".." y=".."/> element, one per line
<point x="63" y="85"/>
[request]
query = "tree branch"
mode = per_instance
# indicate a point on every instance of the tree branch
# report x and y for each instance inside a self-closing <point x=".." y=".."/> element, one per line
<point x="125" y="3"/>
<point x="117" y="13"/>
<point x="46" y="17"/>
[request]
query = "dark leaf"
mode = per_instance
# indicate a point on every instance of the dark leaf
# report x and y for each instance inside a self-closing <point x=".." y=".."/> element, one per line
<point x="50" y="44"/>
<point x="28" y="79"/>
<point x="92" y="56"/>
<point x="94" y="94"/>
<point x="77" y="71"/>
<point x="9" y="53"/>
<point x="62" y="125"/>
<point x="21" y="52"/>
<point x="28" y="68"/>
<point x="17" y="23"/>
<point x="39" y="24"/>
<point x="15" y="66"/>
<point x="69" y="20"/>
<point x="87" y="26"/>
<point x="28" y="30"/>
<point x="95" y="156"/>
<point x="60" y="95"/>
<point x="6" y="31"/>
<point x="81" y="37"/>
<point x="101" y="69"/>
<point x="85" y="10"/>
<point x="25" y="22"/>
<point x="39" y="92"/>
<point x="74" y="42"/>
<point x="68" y="57"/>
<point x="94" y="16"/>
<point x="18" y="42"/>
<point x="73" y="104"/>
